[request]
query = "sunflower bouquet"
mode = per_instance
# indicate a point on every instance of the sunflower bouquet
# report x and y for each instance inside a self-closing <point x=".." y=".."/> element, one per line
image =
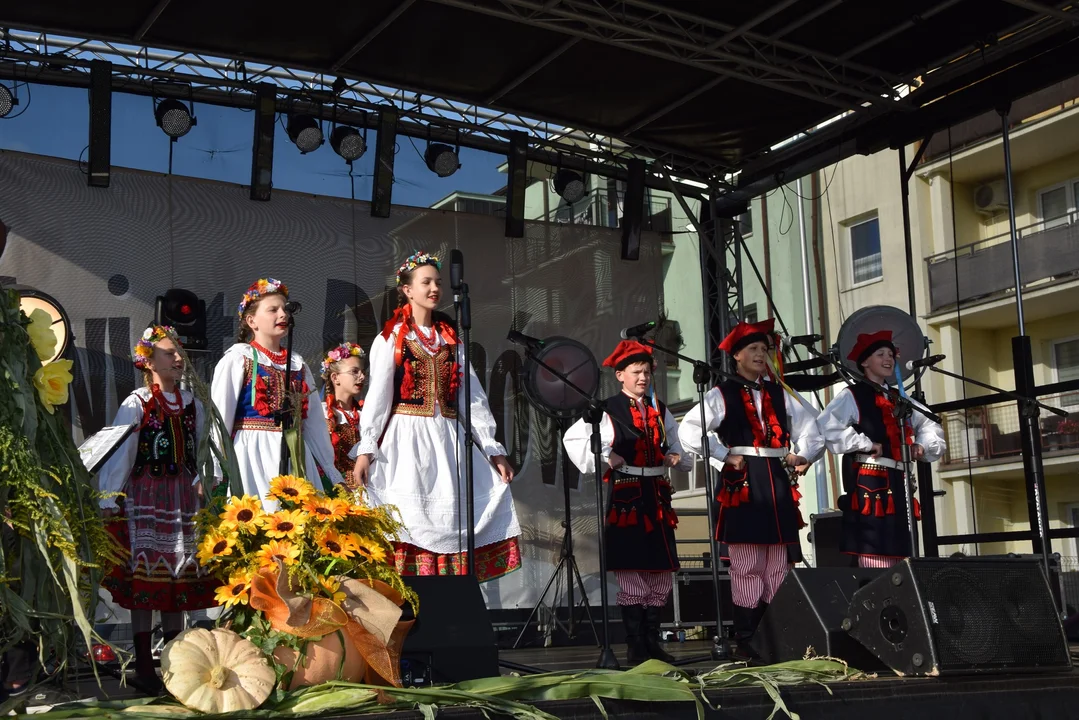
<point x="316" y="564"/>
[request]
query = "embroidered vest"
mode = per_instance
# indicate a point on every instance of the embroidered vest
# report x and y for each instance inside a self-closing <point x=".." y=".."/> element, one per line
<point x="422" y="379"/>
<point x="166" y="442"/>
<point x="268" y="395"/>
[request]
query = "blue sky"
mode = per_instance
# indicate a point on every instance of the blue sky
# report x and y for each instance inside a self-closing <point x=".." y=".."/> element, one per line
<point x="52" y="120"/>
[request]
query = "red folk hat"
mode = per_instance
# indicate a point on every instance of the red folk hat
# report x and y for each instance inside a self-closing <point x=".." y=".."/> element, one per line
<point x="869" y="343"/>
<point x="627" y="352"/>
<point x="745" y="333"/>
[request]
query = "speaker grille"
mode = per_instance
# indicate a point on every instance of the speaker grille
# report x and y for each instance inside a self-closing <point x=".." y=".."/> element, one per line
<point x="991" y="614"/>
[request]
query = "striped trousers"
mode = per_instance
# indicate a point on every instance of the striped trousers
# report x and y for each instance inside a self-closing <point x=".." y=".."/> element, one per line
<point x="877" y="561"/>
<point x="644" y="588"/>
<point x="757" y="571"/>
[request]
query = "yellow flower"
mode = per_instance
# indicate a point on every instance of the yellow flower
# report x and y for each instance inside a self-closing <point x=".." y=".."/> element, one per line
<point x="275" y="550"/>
<point x="290" y="487"/>
<point x="236" y="591"/>
<point x="369" y="548"/>
<point x="284" y="523"/>
<point x="42" y="337"/>
<point x="216" y="545"/>
<point x="332" y="589"/>
<point x="333" y="543"/>
<point x="326" y="509"/>
<point x="357" y="510"/>
<point x="52" y="381"/>
<point x="242" y="513"/>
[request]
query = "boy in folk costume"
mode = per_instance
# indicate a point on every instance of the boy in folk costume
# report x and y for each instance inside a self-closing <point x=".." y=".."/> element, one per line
<point x="860" y="424"/>
<point x="640" y="525"/>
<point x="763" y="439"/>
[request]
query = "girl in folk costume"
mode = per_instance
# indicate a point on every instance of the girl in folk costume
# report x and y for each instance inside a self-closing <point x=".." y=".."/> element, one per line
<point x="859" y="423"/>
<point x="408" y="450"/>
<point x="342" y="371"/>
<point x="249" y="389"/>
<point x="154" y="470"/>
<point x="640" y="524"/>
<point x="763" y="440"/>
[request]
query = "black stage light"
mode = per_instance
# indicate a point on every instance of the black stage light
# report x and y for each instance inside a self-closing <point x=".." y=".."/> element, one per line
<point x="569" y="185"/>
<point x="7" y="101"/>
<point x="174" y="118"/>
<point x="441" y="159"/>
<point x="348" y="143"/>
<point x="186" y="313"/>
<point x="305" y="132"/>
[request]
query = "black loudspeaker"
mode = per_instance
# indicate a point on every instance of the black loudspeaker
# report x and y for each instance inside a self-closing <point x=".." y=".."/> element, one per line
<point x="808" y="612"/>
<point x="825" y="533"/>
<point x="633" y="211"/>
<point x="452" y="639"/>
<point x="262" y="144"/>
<point x="99" y="159"/>
<point x="934" y="616"/>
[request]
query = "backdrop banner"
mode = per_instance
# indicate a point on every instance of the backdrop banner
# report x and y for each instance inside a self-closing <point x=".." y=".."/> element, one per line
<point x="106" y="254"/>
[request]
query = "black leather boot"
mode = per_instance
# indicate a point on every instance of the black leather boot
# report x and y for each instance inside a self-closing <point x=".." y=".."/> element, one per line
<point x="633" y="620"/>
<point x="744" y="621"/>
<point x="651" y="636"/>
<point x="146" y="679"/>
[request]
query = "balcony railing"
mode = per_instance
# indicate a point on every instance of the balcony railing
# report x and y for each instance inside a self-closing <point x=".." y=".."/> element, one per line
<point x="992" y="432"/>
<point x="1047" y="249"/>
<point x="595" y="208"/>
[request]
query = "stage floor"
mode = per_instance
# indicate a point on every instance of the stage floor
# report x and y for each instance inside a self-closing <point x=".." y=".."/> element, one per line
<point x="1003" y="695"/>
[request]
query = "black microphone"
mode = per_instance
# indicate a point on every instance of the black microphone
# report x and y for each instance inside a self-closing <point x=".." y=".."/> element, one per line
<point x="637" y="331"/>
<point x="457" y="270"/>
<point x="924" y="362"/>
<point x="802" y="340"/>
<point x="519" y="338"/>
<point x="292" y="307"/>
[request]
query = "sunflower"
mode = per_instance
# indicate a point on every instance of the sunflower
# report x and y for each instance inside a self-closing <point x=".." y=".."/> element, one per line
<point x="358" y="510"/>
<point x="242" y="513"/>
<point x="236" y="591"/>
<point x="369" y="548"/>
<point x="216" y="545"/>
<point x="275" y="550"/>
<point x="336" y="544"/>
<point x="291" y="488"/>
<point x="332" y="588"/>
<point x="326" y="509"/>
<point x="284" y="523"/>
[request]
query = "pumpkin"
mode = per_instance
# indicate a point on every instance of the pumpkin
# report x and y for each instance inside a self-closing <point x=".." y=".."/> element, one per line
<point x="216" y="671"/>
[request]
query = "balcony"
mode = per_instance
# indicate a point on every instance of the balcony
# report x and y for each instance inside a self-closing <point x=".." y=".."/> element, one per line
<point x="596" y="208"/>
<point x="981" y="271"/>
<point x="991" y="433"/>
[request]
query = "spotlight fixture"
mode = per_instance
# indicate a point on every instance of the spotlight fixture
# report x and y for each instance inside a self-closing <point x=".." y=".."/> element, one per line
<point x="7" y="101"/>
<point x="305" y="132"/>
<point x="569" y="185"/>
<point x="441" y="159"/>
<point x="348" y="143"/>
<point x="31" y="299"/>
<point x="174" y="118"/>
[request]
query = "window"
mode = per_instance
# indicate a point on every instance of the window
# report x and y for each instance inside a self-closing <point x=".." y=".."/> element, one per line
<point x="865" y="251"/>
<point x="1057" y="204"/>
<point x="1066" y="367"/>
<point x="684" y="482"/>
<point x="745" y="223"/>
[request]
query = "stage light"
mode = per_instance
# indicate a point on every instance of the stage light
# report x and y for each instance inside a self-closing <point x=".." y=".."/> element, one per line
<point x="305" y="132"/>
<point x="174" y="118"/>
<point x="348" y="143"/>
<point x="7" y="101"/>
<point x="31" y="299"/>
<point x="441" y="159"/>
<point x="186" y="313"/>
<point x="569" y="185"/>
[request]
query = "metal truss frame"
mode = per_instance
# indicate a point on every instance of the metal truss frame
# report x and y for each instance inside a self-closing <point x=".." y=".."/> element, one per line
<point x="37" y="56"/>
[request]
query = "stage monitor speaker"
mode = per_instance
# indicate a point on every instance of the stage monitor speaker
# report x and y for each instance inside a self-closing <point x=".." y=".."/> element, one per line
<point x="452" y="639"/>
<point x="808" y="612"/>
<point x="825" y="534"/>
<point x="934" y="616"/>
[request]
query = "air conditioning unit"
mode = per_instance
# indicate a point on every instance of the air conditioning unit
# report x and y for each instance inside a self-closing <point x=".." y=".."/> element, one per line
<point x="991" y="198"/>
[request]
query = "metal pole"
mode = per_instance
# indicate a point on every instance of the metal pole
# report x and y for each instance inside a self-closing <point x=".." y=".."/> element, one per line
<point x="1023" y="367"/>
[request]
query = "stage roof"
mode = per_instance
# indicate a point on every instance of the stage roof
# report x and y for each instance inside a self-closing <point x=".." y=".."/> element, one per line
<point x="709" y="86"/>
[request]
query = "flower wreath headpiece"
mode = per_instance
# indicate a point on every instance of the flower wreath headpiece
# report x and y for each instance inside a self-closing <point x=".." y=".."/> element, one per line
<point x="339" y="353"/>
<point x="421" y="257"/>
<point x="259" y="288"/>
<point x="144" y="348"/>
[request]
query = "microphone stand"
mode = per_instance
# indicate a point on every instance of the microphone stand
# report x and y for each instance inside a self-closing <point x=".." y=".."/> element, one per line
<point x="283" y="415"/>
<point x="461" y="296"/>
<point x="593" y="415"/>
<point x="702" y="376"/>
